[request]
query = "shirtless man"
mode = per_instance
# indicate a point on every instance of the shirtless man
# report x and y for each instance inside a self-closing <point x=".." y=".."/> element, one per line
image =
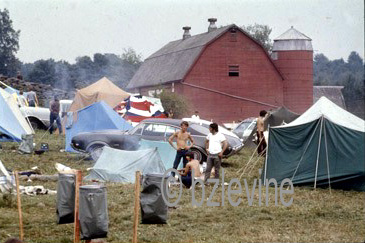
<point x="261" y="150"/>
<point x="182" y="138"/>
<point x="186" y="173"/>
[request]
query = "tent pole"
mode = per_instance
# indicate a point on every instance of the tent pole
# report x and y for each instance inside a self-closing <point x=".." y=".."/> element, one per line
<point x="305" y="150"/>
<point x="267" y="151"/>
<point x="319" y="148"/>
<point x="328" y="167"/>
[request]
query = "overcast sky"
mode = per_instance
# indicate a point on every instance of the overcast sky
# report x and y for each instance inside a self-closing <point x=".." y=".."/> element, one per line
<point x="66" y="29"/>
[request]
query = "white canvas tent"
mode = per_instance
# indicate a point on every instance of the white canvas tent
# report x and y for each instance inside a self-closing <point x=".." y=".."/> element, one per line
<point x="12" y="123"/>
<point x="7" y="182"/>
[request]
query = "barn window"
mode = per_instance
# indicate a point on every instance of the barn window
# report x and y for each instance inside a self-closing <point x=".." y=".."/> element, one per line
<point x="233" y="37"/>
<point x="233" y="71"/>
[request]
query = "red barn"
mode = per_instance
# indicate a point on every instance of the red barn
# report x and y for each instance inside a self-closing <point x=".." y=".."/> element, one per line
<point x="228" y="76"/>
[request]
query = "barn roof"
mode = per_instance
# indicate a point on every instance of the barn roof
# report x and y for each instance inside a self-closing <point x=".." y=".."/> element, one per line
<point x="333" y="93"/>
<point x="292" y="34"/>
<point x="173" y="61"/>
<point x="292" y="40"/>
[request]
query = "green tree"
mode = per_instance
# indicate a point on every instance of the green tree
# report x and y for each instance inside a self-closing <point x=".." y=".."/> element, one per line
<point x="175" y="102"/>
<point x="355" y="62"/>
<point x="260" y="33"/>
<point x="43" y="72"/>
<point x="9" y="45"/>
<point x="130" y="55"/>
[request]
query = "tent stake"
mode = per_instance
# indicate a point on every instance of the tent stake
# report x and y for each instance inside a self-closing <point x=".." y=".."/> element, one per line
<point x="19" y="205"/>
<point x="77" y="222"/>
<point x="319" y="148"/>
<point x="136" y="205"/>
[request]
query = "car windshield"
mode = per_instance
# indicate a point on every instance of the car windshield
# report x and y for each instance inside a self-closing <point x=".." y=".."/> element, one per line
<point x="202" y="130"/>
<point x="137" y="130"/>
<point x="242" y="127"/>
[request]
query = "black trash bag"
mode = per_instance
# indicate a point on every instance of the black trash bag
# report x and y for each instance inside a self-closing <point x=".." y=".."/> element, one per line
<point x="153" y="207"/>
<point x="93" y="212"/>
<point x="66" y="198"/>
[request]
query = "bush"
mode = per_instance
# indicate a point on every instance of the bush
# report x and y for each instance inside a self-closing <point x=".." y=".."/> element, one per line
<point x="175" y="102"/>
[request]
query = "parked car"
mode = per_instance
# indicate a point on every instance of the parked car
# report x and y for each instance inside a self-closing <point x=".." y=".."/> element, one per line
<point x="149" y="129"/>
<point x="206" y="124"/>
<point x="39" y="116"/>
<point x="244" y="129"/>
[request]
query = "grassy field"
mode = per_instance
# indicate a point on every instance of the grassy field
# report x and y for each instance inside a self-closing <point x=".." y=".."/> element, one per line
<point x="314" y="216"/>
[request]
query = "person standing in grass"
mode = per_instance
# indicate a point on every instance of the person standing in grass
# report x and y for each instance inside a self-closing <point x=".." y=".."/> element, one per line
<point x="182" y="138"/>
<point x="215" y="145"/>
<point x="55" y="115"/>
<point x="261" y="142"/>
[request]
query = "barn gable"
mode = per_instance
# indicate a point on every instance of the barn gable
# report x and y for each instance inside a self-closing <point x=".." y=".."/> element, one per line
<point x="173" y="61"/>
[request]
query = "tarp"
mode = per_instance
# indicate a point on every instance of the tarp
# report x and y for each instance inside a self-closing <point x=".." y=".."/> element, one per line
<point x="324" y="146"/>
<point x="116" y="165"/>
<point x="153" y="207"/>
<point x="280" y="116"/>
<point x="166" y="152"/>
<point x="12" y="122"/>
<point x="104" y="89"/>
<point x="277" y="117"/>
<point x="137" y="108"/>
<point x="98" y="116"/>
<point x="65" y="198"/>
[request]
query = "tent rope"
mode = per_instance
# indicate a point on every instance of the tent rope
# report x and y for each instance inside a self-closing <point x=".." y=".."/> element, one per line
<point x="249" y="161"/>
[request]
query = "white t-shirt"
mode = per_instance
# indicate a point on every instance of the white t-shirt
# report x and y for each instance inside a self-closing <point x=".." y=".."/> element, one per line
<point x="215" y="142"/>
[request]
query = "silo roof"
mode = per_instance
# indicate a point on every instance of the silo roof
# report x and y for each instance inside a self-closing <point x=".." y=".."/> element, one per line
<point x="292" y="34"/>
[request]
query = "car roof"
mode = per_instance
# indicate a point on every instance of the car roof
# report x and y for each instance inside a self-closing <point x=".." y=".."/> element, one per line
<point x="169" y="121"/>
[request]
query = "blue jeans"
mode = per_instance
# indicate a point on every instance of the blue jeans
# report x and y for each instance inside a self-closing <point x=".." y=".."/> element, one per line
<point x="55" y="117"/>
<point x="180" y="154"/>
<point x="187" y="180"/>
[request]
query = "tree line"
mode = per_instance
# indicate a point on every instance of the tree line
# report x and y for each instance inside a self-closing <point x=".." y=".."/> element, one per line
<point x="121" y="68"/>
<point x="349" y="74"/>
<point x="61" y="74"/>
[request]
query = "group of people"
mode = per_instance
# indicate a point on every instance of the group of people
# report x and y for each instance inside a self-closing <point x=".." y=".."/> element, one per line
<point x="26" y="99"/>
<point x="215" y="145"/>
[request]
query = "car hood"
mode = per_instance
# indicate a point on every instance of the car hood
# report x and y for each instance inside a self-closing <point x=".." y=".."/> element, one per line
<point x="110" y="131"/>
<point x="233" y="141"/>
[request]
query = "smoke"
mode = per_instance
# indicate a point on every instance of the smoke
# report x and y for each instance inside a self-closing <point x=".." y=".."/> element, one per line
<point x="65" y="78"/>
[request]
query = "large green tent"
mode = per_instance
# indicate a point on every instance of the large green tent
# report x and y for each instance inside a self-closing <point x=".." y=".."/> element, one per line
<point x="323" y="147"/>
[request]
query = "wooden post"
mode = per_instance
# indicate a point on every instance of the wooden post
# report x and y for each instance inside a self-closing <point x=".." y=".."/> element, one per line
<point x="136" y="205"/>
<point x="19" y="205"/>
<point x="77" y="194"/>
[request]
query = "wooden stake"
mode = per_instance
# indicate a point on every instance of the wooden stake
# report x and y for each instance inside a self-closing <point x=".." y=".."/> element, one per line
<point x="77" y="222"/>
<point x="19" y="205"/>
<point x="136" y="205"/>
